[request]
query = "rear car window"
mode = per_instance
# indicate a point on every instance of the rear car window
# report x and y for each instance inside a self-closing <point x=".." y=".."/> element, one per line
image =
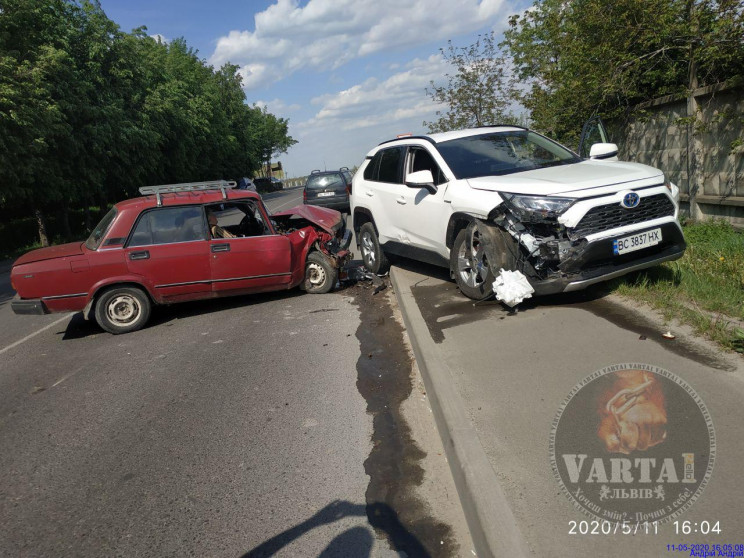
<point x="372" y="172"/>
<point x="386" y="166"/>
<point x="169" y="225"/>
<point x="94" y="240"/>
<point x="319" y="182"/>
<point x="390" y="165"/>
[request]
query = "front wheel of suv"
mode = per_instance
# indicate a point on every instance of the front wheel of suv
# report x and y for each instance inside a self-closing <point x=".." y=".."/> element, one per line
<point x="372" y="254"/>
<point x="473" y="272"/>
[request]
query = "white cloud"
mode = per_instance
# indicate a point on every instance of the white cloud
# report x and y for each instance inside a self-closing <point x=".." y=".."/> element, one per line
<point x="348" y="123"/>
<point x="277" y="106"/>
<point x="402" y="95"/>
<point x="159" y="38"/>
<point x="326" y="34"/>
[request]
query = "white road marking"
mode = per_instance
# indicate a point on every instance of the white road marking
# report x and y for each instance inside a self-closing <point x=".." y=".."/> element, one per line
<point x="63" y="378"/>
<point x="35" y="333"/>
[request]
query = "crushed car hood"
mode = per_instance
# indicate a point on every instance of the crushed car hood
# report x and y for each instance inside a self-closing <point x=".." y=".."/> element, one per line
<point x="327" y="219"/>
<point x="61" y="251"/>
<point x="586" y="178"/>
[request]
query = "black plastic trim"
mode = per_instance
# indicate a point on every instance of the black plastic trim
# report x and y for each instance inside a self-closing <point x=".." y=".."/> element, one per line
<point x="415" y="253"/>
<point x="30" y="307"/>
<point x="75" y="295"/>
<point x="222" y="280"/>
<point x="425" y="138"/>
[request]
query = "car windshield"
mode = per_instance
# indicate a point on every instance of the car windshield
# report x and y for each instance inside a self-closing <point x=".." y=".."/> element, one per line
<point x="325" y="181"/>
<point x="501" y="153"/>
<point x="94" y="240"/>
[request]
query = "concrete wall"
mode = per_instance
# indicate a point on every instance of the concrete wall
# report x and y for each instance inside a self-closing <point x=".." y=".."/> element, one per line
<point x="698" y="156"/>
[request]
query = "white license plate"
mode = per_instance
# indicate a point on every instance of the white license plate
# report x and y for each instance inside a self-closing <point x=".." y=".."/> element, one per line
<point x="636" y="242"/>
<point x="324" y="194"/>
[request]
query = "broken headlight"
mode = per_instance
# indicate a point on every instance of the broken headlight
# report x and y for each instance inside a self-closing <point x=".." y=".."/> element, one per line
<point x="536" y="208"/>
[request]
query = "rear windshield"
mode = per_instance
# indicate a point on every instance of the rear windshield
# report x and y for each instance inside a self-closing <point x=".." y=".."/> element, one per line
<point x="503" y="153"/>
<point x="322" y="181"/>
<point x="94" y="240"/>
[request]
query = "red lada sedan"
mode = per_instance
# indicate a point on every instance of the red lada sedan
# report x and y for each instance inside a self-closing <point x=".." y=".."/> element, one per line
<point x="182" y="242"/>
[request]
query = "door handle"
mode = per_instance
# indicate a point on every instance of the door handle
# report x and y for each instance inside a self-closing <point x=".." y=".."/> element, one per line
<point x="369" y="193"/>
<point x="401" y="200"/>
<point x="220" y="247"/>
<point x="142" y="255"/>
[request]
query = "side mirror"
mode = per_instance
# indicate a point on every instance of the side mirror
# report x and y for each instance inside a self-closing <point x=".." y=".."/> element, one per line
<point x="604" y="151"/>
<point x="422" y="179"/>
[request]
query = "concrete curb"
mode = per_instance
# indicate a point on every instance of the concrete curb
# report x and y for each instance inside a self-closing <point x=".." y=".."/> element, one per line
<point x="492" y="524"/>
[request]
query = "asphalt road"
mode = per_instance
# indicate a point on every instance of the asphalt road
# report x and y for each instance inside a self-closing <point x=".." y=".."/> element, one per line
<point x="224" y="428"/>
<point x="511" y="372"/>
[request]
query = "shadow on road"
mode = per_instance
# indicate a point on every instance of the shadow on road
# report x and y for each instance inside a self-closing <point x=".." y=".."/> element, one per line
<point x="356" y="541"/>
<point x="435" y="272"/>
<point x="6" y="291"/>
<point x="79" y="328"/>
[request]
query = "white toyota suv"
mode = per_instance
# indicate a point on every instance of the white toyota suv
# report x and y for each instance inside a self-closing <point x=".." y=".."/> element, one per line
<point x="504" y="198"/>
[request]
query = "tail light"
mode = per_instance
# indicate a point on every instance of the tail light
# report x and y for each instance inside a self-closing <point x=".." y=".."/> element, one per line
<point x="304" y="196"/>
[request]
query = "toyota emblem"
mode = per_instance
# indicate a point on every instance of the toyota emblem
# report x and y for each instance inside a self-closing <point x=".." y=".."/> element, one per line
<point x="630" y="200"/>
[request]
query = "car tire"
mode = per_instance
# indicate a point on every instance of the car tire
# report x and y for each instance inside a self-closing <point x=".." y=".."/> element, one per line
<point x="320" y="275"/>
<point x="122" y="309"/>
<point x="474" y="274"/>
<point x="372" y="255"/>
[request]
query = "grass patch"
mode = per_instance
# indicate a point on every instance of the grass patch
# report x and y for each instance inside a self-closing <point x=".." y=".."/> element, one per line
<point x="705" y="288"/>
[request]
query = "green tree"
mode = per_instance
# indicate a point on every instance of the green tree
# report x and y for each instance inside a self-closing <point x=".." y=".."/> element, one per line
<point x="89" y="113"/>
<point x="579" y="57"/>
<point x="478" y="93"/>
<point x="270" y="136"/>
<point x="37" y="77"/>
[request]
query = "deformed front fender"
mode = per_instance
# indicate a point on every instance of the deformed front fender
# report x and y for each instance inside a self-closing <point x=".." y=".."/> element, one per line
<point x="501" y="249"/>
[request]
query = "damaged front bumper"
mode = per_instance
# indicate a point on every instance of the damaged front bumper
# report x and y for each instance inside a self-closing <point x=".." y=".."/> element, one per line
<point x="338" y="248"/>
<point x="594" y="262"/>
<point x="582" y="263"/>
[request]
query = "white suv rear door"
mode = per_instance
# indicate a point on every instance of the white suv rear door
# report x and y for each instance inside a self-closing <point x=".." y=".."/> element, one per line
<point x="380" y="190"/>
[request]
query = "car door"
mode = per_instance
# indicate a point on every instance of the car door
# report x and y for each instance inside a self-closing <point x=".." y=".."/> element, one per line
<point x="422" y="216"/>
<point x="244" y="263"/>
<point x="383" y="180"/>
<point x="168" y="248"/>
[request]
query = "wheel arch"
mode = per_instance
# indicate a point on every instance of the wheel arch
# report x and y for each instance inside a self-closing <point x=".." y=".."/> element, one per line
<point x="361" y="216"/>
<point x="457" y="222"/>
<point x="89" y="309"/>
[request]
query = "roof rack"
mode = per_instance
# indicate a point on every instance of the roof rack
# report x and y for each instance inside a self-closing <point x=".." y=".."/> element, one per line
<point x="222" y="185"/>
<point x="427" y="138"/>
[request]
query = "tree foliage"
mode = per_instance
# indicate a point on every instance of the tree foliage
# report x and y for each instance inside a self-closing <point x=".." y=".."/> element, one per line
<point x="89" y="113"/>
<point x="575" y="57"/>
<point x="477" y="94"/>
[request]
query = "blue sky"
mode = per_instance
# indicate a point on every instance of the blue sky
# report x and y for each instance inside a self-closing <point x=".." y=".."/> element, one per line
<point x="347" y="74"/>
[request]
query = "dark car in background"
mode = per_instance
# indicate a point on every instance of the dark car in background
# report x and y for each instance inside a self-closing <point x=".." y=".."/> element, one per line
<point x="328" y="189"/>
<point x="246" y="183"/>
<point x="269" y="184"/>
